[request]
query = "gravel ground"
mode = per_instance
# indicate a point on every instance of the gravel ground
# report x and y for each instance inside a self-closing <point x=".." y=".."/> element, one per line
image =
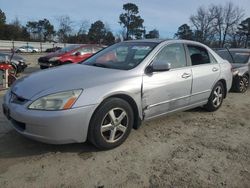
<point x="186" y="149"/>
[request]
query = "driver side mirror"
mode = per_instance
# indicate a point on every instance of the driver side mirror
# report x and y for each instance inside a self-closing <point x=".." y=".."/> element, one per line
<point x="158" y="67"/>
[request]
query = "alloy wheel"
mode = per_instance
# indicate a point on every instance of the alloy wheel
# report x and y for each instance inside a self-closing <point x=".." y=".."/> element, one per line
<point x="114" y="125"/>
<point x="244" y="84"/>
<point x="217" y="96"/>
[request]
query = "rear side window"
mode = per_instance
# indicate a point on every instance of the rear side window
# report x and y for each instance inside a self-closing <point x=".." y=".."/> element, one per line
<point x="198" y="55"/>
<point x="173" y="54"/>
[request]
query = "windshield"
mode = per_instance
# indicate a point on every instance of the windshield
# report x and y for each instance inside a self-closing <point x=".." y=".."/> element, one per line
<point x="238" y="57"/>
<point x="123" y="56"/>
<point x="68" y="48"/>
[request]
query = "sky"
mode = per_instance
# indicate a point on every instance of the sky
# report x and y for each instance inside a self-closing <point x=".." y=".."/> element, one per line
<point x="163" y="15"/>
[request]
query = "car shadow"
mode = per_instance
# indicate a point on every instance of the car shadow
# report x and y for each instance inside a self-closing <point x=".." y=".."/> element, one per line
<point x="198" y="109"/>
<point x="13" y="145"/>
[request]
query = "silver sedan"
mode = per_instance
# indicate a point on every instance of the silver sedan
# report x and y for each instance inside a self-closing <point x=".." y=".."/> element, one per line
<point x="104" y="97"/>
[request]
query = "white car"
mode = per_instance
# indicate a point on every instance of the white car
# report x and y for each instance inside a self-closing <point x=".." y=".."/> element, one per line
<point x="26" y="49"/>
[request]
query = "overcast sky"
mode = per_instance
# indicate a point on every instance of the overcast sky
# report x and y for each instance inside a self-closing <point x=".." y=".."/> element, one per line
<point x="164" y="15"/>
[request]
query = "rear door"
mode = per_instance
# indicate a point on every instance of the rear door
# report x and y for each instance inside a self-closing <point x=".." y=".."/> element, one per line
<point x="170" y="90"/>
<point x="205" y="70"/>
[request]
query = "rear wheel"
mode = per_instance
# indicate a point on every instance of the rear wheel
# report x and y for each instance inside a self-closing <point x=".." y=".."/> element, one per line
<point x="216" y="98"/>
<point x="242" y="84"/>
<point x="111" y="124"/>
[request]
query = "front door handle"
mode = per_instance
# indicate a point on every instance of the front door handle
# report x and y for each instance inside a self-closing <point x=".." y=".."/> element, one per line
<point x="215" y="69"/>
<point x="186" y="75"/>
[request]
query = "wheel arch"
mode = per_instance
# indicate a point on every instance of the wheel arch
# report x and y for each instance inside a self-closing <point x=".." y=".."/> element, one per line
<point x="132" y="103"/>
<point x="223" y="81"/>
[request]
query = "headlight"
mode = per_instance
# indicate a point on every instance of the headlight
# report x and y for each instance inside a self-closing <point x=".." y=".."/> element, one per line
<point x="59" y="101"/>
<point x="54" y="58"/>
<point x="235" y="71"/>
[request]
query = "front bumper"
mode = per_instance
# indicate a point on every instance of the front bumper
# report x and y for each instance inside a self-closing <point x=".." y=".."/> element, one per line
<point x="54" y="127"/>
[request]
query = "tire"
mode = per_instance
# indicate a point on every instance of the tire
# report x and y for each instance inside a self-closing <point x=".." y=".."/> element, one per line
<point x="242" y="84"/>
<point x="216" y="98"/>
<point x="106" y="131"/>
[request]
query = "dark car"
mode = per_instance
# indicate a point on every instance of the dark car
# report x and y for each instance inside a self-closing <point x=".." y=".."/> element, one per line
<point x="18" y="62"/>
<point x="240" y="60"/>
<point x="54" y="49"/>
<point x="70" y="54"/>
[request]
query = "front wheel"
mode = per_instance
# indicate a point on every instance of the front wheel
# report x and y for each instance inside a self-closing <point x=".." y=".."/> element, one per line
<point x="216" y="98"/>
<point x="111" y="124"/>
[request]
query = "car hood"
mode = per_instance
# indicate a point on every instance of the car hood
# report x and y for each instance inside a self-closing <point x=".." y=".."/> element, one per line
<point x="64" y="78"/>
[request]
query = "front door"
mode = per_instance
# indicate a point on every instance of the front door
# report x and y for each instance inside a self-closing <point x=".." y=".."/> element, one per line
<point x="170" y="90"/>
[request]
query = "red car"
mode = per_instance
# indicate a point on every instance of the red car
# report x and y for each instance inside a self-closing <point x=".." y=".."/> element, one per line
<point x="70" y="54"/>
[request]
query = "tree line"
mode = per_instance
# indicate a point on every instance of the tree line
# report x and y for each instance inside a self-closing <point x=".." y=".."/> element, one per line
<point x="217" y="26"/>
<point x="97" y="32"/>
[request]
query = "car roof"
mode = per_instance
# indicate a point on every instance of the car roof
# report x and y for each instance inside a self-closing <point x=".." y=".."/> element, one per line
<point x="158" y="41"/>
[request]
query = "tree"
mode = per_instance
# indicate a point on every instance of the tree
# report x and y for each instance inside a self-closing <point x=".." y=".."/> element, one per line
<point x="41" y="29"/>
<point x="226" y="20"/>
<point x="65" y="28"/>
<point x="2" y="23"/>
<point x="2" y="17"/>
<point x="153" y="34"/>
<point x="184" y="32"/>
<point x="131" y="21"/>
<point x="202" y="22"/>
<point x="97" y="32"/>
<point x="109" y="38"/>
<point x="244" y="30"/>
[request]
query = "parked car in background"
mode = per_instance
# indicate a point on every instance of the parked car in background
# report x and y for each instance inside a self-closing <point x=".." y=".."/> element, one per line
<point x="54" y="49"/>
<point x="104" y="97"/>
<point x="70" y="54"/>
<point x="25" y="49"/>
<point x="240" y="60"/>
<point x="18" y="62"/>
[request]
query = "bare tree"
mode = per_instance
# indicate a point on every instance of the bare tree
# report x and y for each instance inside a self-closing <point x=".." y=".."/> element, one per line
<point x="84" y="27"/>
<point x="65" y="28"/>
<point x="226" y="20"/>
<point x="202" y="22"/>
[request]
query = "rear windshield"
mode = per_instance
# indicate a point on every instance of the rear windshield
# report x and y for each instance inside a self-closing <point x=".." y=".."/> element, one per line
<point x="235" y="57"/>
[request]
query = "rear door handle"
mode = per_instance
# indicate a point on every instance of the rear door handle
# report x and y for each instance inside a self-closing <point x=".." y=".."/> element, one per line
<point x="186" y="75"/>
<point x="215" y="69"/>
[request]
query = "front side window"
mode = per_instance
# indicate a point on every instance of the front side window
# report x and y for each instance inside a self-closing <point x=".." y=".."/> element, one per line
<point x="173" y="54"/>
<point x="198" y="55"/>
<point x="123" y="56"/>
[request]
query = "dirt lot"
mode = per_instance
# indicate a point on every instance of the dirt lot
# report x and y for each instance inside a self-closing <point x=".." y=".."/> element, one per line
<point x="187" y="149"/>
